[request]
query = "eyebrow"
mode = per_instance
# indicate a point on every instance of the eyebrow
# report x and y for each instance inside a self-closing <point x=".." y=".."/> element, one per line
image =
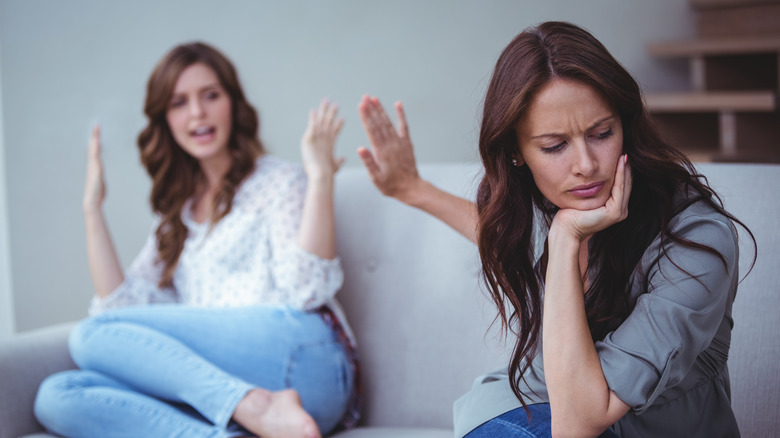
<point x="208" y="87"/>
<point x="599" y="122"/>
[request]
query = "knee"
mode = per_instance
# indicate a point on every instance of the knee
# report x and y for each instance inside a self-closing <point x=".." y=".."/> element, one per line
<point x="83" y="339"/>
<point x="51" y="406"/>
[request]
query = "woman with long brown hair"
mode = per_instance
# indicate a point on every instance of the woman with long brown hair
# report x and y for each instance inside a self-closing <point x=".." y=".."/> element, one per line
<point x="226" y="323"/>
<point x="611" y="261"/>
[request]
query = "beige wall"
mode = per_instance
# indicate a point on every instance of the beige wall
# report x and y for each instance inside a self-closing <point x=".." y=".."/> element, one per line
<point x="68" y="64"/>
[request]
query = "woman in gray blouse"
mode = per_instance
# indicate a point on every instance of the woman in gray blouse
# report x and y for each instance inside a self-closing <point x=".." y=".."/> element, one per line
<point x="630" y="294"/>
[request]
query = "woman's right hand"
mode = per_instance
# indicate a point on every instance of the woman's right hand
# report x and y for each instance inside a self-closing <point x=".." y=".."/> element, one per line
<point x="392" y="166"/>
<point x="104" y="264"/>
<point x="581" y="224"/>
<point x="95" y="187"/>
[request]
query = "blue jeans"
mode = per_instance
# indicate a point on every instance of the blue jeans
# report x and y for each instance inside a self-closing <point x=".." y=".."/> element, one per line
<point x="515" y="424"/>
<point x="178" y="371"/>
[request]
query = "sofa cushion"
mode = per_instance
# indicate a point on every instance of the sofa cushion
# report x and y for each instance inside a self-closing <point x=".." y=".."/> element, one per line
<point x="395" y="432"/>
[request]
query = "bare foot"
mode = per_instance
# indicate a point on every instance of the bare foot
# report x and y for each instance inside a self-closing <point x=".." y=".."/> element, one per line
<point x="275" y="415"/>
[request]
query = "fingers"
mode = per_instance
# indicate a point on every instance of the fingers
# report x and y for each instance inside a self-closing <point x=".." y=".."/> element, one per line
<point x="94" y="189"/>
<point x="621" y="188"/>
<point x="403" y="128"/>
<point x="325" y="118"/>
<point x="338" y="126"/>
<point x="93" y="148"/>
<point x="389" y="142"/>
<point x="327" y="112"/>
<point x="628" y="183"/>
<point x="368" y="160"/>
<point x="383" y="121"/>
<point x="366" y="109"/>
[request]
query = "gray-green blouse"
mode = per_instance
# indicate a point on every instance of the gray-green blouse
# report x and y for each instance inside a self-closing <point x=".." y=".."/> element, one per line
<point x="668" y="359"/>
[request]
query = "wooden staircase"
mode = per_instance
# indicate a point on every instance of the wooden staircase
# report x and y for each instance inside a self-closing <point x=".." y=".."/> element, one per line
<point x="732" y="112"/>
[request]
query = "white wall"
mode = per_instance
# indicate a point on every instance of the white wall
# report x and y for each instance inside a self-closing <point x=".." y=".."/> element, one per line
<point x="7" y="326"/>
<point x="69" y="64"/>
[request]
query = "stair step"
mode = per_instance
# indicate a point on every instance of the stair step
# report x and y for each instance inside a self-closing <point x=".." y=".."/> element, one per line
<point x="716" y="46"/>
<point x="714" y="4"/>
<point x="743" y="101"/>
<point x="746" y="19"/>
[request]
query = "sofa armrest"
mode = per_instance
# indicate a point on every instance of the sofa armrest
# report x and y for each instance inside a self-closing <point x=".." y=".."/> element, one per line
<point x="25" y="360"/>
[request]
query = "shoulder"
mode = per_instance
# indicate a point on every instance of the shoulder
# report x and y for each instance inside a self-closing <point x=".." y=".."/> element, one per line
<point x="699" y="243"/>
<point x="273" y="171"/>
<point x="700" y="222"/>
<point x="271" y="178"/>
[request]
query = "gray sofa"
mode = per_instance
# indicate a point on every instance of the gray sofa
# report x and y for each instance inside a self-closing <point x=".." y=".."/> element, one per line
<point x="413" y="296"/>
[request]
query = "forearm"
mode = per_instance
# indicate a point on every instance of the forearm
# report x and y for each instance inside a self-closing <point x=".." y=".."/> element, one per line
<point x="457" y="212"/>
<point x="580" y="398"/>
<point x="317" y="232"/>
<point x="103" y="261"/>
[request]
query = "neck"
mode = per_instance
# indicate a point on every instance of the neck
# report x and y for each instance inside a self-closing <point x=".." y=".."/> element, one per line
<point x="215" y="169"/>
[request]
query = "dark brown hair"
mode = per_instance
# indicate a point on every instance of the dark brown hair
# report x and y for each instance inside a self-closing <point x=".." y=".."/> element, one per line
<point x="175" y="174"/>
<point x="508" y="199"/>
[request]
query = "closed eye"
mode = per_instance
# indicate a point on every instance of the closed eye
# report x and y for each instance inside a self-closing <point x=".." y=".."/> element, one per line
<point x="212" y="95"/>
<point x="554" y="149"/>
<point x="177" y="102"/>
<point x="605" y="135"/>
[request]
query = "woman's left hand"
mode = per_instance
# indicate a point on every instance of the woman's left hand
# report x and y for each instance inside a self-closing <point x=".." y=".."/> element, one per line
<point x="319" y="141"/>
<point x="584" y="223"/>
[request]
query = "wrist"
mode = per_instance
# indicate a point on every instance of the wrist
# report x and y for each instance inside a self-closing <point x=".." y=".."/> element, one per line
<point x="415" y="194"/>
<point x="320" y="181"/>
<point x="92" y="211"/>
<point x="558" y="239"/>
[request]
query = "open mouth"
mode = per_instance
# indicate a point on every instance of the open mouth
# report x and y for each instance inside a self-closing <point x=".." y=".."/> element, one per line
<point x="203" y="133"/>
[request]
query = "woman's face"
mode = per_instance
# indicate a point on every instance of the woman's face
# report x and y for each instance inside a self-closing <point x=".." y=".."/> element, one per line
<point x="200" y="114"/>
<point x="571" y="140"/>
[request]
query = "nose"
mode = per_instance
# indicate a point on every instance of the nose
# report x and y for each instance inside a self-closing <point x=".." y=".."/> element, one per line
<point x="196" y="108"/>
<point x="585" y="162"/>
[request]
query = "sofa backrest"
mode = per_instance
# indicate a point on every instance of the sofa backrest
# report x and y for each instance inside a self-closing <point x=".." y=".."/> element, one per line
<point x="750" y="193"/>
<point x="413" y="296"/>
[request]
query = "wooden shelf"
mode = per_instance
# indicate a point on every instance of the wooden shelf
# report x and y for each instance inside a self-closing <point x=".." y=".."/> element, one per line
<point x="710" y="4"/>
<point x="742" y="18"/>
<point x="725" y="136"/>
<point x="742" y="45"/>
<point x="715" y="102"/>
<point x="731" y="113"/>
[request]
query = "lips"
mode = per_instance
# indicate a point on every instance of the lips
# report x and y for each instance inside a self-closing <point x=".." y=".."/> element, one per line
<point x="587" y="190"/>
<point x="203" y="133"/>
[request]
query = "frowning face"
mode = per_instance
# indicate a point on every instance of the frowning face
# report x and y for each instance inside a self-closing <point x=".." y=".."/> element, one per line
<point x="570" y="139"/>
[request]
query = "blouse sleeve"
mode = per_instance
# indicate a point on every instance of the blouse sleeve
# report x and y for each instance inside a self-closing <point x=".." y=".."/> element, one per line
<point x="688" y="293"/>
<point x="140" y="286"/>
<point x="304" y="280"/>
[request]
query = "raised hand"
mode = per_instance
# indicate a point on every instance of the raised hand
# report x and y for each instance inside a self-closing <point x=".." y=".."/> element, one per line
<point x="584" y="223"/>
<point x="104" y="263"/>
<point x="392" y="166"/>
<point x="319" y="141"/>
<point x="95" y="187"/>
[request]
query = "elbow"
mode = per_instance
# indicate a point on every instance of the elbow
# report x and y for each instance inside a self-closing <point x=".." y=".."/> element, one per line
<point x="576" y="429"/>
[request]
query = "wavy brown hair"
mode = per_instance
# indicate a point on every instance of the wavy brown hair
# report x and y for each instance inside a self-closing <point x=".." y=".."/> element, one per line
<point x="175" y="174"/>
<point x="511" y="206"/>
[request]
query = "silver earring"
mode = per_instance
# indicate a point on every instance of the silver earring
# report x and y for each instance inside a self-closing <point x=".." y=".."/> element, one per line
<point x="514" y="162"/>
